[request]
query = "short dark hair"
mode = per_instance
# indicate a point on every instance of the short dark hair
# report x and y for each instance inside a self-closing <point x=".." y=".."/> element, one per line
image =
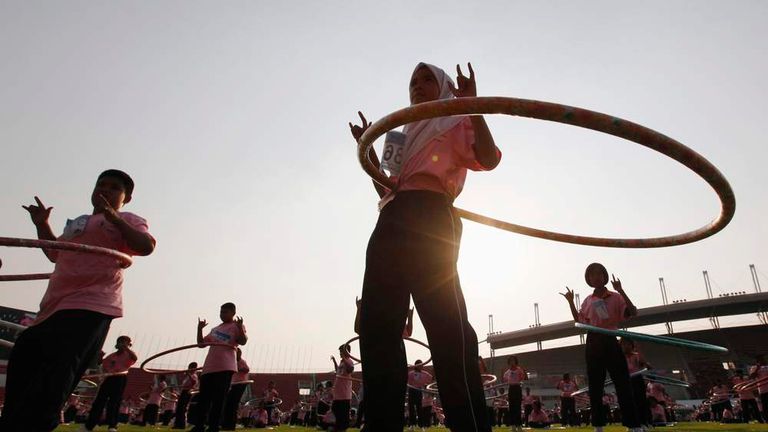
<point x="122" y="339"/>
<point x="125" y="178"/>
<point x="192" y="365"/>
<point x="597" y="267"/>
<point x="230" y="306"/>
<point x="345" y="348"/>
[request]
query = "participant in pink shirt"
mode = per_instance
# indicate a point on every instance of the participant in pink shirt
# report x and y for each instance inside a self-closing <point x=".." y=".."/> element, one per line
<point x="528" y="400"/>
<point x="418" y="379"/>
<point x="237" y="389"/>
<point x="84" y="295"/>
<point x="538" y="419"/>
<point x="658" y="414"/>
<point x="748" y="401"/>
<point x="220" y="364"/>
<point x="152" y="409"/>
<point x="606" y="309"/>
<point x="636" y="362"/>
<point x="188" y="383"/>
<point x="567" y="403"/>
<point x="513" y="376"/>
<point x="760" y="370"/>
<point x="111" y="390"/>
<point x="270" y="395"/>
<point x="342" y="388"/>
<point x="413" y="251"/>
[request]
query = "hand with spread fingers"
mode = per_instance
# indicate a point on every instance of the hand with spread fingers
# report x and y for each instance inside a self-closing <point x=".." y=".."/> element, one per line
<point x="201" y="323"/>
<point x="568" y="294"/>
<point x="467" y="85"/>
<point x="357" y="131"/>
<point x="616" y="283"/>
<point x="38" y="213"/>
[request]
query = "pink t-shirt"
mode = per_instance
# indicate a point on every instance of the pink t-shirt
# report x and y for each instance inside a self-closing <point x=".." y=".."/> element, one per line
<point x="89" y="281"/>
<point x="606" y="312"/>
<point x="155" y="395"/>
<point x="242" y="371"/>
<point x="744" y="394"/>
<point x="633" y="362"/>
<point x="441" y="166"/>
<point x="514" y="376"/>
<point x="566" y="388"/>
<point x="538" y="417"/>
<point x="528" y="399"/>
<point x="342" y="386"/>
<point x="658" y="414"/>
<point x="656" y="391"/>
<point x="190" y="381"/>
<point x="222" y="358"/>
<point x="117" y="362"/>
<point x="419" y="379"/>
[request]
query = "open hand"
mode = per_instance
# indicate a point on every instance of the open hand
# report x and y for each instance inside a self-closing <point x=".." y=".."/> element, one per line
<point x="239" y="322"/>
<point x="357" y="131"/>
<point x="467" y="85"/>
<point x="568" y="294"/>
<point x="616" y="283"/>
<point x="38" y="213"/>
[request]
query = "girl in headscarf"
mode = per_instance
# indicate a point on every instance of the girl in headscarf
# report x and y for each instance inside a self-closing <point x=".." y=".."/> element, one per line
<point x="413" y="252"/>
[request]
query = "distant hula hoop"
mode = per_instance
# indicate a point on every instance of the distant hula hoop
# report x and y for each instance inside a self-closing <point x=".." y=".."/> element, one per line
<point x="751" y="384"/>
<point x="487" y="380"/>
<point x="173" y="350"/>
<point x="241" y="382"/>
<point x="276" y="402"/>
<point x="125" y="260"/>
<point x="429" y="360"/>
<point x="104" y="375"/>
<point x="568" y="115"/>
<point x="88" y="384"/>
<point x="664" y="340"/>
<point x="12" y="325"/>
<point x="145" y="397"/>
<point x="349" y="378"/>
<point x="666" y="380"/>
<point x="608" y="382"/>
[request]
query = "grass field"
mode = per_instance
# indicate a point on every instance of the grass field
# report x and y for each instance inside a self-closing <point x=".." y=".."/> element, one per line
<point x="680" y="427"/>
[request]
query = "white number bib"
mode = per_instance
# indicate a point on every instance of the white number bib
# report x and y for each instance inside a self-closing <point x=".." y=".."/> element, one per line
<point x="394" y="149"/>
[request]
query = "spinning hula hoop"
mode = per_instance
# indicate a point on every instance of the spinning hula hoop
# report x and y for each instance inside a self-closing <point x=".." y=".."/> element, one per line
<point x="664" y="340"/>
<point x="487" y="380"/>
<point x="608" y="382"/>
<point x="576" y="117"/>
<point x="125" y="260"/>
<point x="104" y="375"/>
<point x="173" y="350"/>
<point x="405" y="338"/>
<point x="276" y="402"/>
<point x="666" y="380"/>
<point x="751" y="384"/>
<point x="241" y="382"/>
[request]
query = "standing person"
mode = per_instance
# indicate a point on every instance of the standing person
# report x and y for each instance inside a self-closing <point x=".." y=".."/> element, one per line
<point x="342" y="388"/>
<point x="567" y="403"/>
<point x="111" y="389"/>
<point x="513" y="376"/>
<point x="760" y="370"/>
<point x="418" y="379"/>
<point x="749" y="408"/>
<point x="635" y="363"/>
<point x="605" y="309"/>
<point x="528" y="399"/>
<point x="413" y="252"/>
<point x="236" y="390"/>
<point x="720" y="396"/>
<point x="270" y="394"/>
<point x="153" y="401"/>
<point x="84" y="295"/>
<point x="220" y="364"/>
<point x="187" y="385"/>
<point x="168" y="407"/>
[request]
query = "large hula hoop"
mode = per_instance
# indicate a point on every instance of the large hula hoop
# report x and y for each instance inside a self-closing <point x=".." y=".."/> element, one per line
<point x="576" y="117"/>
<point x="750" y="384"/>
<point x="429" y="360"/>
<point x="103" y="375"/>
<point x="666" y="380"/>
<point x="609" y="382"/>
<point x="173" y="350"/>
<point x="664" y="340"/>
<point x="488" y="379"/>
<point x="125" y="260"/>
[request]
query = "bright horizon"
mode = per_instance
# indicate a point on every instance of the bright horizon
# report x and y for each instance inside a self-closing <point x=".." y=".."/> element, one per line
<point x="232" y="119"/>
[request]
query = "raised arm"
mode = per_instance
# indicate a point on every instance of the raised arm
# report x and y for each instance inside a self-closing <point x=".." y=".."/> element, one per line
<point x="39" y="214"/>
<point x="568" y="294"/>
<point x="631" y="309"/>
<point x="485" y="148"/>
<point x="357" y="132"/>
<point x="140" y="242"/>
<point x="200" y="325"/>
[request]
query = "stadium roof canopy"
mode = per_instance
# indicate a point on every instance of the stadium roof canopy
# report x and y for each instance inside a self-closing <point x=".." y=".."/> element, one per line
<point x="721" y="306"/>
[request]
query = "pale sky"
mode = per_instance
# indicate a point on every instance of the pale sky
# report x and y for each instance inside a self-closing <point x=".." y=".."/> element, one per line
<point x="232" y="119"/>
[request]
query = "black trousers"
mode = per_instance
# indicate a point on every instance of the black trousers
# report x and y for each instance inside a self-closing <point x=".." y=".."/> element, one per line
<point x="150" y="414"/>
<point x="642" y="407"/>
<point x="231" y="406"/>
<point x="414" y="404"/>
<point x="181" y="410"/>
<point x="110" y="395"/>
<point x="360" y="413"/>
<point x="45" y="366"/>
<point x="527" y="409"/>
<point x="568" y="411"/>
<point x="214" y="387"/>
<point x="604" y="355"/>
<point x="515" y="397"/>
<point x="413" y="252"/>
<point x="340" y="410"/>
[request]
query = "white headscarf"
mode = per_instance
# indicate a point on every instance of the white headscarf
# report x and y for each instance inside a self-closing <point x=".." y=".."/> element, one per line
<point x="419" y="133"/>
